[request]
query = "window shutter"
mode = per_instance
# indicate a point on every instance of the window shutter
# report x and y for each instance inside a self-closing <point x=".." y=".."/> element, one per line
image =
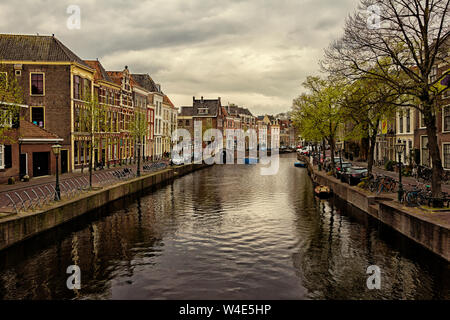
<point x="8" y="156"/>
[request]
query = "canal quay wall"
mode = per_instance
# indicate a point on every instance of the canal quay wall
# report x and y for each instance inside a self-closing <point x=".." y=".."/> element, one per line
<point x="429" y="229"/>
<point x="21" y="226"/>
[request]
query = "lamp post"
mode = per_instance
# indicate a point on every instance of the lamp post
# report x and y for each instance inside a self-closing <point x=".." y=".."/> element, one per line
<point x="400" y="148"/>
<point x="56" y="150"/>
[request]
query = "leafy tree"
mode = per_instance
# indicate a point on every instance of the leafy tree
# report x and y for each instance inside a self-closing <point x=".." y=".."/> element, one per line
<point x="11" y="96"/>
<point x="138" y="129"/>
<point x="413" y="36"/>
<point x="365" y="103"/>
<point x="92" y="119"/>
<point x="318" y="113"/>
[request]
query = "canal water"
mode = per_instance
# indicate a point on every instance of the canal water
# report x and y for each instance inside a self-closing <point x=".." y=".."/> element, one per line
<point x="225" y="232"/>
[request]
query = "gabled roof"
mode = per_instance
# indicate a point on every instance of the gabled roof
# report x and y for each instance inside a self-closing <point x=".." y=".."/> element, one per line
<point x="27" y="130"/>
<point x="166" y="100"/>
<point x="212" y="105"/>
<point x="146" y="82"/>
<point x="186" y="111"/>
<point x="100" y="73"/>
<point x="35" y="48"/>
<point x="115" y="76"/>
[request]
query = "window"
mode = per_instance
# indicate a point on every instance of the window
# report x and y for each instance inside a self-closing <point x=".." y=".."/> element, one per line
<point x="433" y="74"/>
<point x="446" y="155"/>
<point x="400" y="122"/>
<point x="422" y="120"/>
<point x="75" y="152"/>
<point x="446" y="118"/>
<point x="37" y="116"/>
<point x="6" y="118"/>
<point x="425" y="155"/>
<point x="76" y="87"/>
<point x="18" y="73"/>
<point x="408" y="120"/>
<point x="7" y="156"/>
<point x="86" y="87"/>
<point x="37" y="83"/>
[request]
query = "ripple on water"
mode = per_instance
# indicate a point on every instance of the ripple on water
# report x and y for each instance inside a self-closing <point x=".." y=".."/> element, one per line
<point x="226" y="233"/>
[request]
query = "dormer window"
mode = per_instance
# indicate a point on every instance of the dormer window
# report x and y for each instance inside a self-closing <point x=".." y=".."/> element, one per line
<point x="202" y="110"/>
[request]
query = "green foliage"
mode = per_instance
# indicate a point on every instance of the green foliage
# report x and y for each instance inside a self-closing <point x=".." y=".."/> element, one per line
<point x="138" y="125"/>
<point x="11" y="96"/>
<point x="317" y="113"/>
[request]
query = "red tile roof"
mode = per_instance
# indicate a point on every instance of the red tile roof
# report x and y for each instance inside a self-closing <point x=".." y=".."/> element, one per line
<point x="27" y="130"/>
<point x="100" y="73"/>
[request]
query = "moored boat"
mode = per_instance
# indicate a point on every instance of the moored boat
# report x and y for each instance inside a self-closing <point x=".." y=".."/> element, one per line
<point x="322" y="192"/>
<point x="300" y="164"/>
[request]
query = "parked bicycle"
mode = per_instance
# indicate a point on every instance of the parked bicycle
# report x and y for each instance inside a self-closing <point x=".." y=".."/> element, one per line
<point x="420" y="194"/>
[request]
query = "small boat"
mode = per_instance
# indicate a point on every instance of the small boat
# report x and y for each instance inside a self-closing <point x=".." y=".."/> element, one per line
<point x="251" y="160"/>
<point x="322" y="192"/>
<point x="300" y="164"/>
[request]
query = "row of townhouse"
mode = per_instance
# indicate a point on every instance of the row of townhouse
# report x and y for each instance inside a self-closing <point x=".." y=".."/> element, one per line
<point x="213" y="115"/>
<point x="55" y="84"/>
<point x="408" y="127"/>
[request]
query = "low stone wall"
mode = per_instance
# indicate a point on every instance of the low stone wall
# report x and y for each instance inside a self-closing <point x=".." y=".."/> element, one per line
<point x="344" y="191"/>
<point x="19" y="227"/>
<point x="430" y="234"/>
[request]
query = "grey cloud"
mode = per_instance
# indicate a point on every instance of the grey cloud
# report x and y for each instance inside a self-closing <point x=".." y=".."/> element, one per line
<point x="255" y="53"/>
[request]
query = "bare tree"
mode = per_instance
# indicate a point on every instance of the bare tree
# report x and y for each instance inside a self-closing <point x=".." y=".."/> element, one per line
<point x="398" y="42"/>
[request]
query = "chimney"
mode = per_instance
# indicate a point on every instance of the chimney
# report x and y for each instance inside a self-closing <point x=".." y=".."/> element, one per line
<point x="219" y="101"/>
<point x="202" y="99"/>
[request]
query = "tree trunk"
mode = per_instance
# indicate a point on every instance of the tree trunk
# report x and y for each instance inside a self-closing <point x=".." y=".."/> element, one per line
<point x="324" y="151"/>
<point x="371" y="151"/>
<point x="91" y="153"/>
<point x="433" y="147"/>
<point x="138" y="172"/>
<point x="332" y="147"/>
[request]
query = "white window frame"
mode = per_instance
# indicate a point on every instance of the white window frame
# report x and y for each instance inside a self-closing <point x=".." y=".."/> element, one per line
<point x="6" y="124"/>
<point x="443" y="157"/>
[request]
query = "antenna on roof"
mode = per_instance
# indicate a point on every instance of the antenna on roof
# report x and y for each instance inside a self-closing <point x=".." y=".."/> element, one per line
<point x="53" y="35"/>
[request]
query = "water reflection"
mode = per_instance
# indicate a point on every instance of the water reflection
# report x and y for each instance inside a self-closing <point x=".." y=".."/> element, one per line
<point x="224" y="233"/>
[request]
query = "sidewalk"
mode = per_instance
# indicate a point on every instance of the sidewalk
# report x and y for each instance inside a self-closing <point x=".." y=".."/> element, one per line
<point x="405" y="180"/>
<point x="21" y="187"/>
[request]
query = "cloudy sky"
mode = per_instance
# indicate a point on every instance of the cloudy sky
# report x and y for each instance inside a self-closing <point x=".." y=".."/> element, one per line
<point x="252" y="53"/>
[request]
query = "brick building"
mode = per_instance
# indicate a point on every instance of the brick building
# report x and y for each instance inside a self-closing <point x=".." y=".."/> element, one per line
<point x="54" y="81"/>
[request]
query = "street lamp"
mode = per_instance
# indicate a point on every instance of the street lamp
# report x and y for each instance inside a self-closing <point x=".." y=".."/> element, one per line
<point x="56" y="150"/>
<point x="400" y="148"/>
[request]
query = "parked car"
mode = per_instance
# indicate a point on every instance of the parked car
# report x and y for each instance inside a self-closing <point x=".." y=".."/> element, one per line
<point x="339" y="170"/>
<point x="328" y="162"/>
<point x="353" y="175"/>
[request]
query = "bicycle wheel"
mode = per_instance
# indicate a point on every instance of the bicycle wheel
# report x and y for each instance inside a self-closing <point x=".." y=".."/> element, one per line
<point x="411" y="198"/>
<point x="393" y="185"/>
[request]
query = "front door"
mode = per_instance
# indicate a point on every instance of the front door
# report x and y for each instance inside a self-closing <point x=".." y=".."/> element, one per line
<point x="23" y="165"/>
<point x="64" y="161"/>
<point x="41" y="163"/>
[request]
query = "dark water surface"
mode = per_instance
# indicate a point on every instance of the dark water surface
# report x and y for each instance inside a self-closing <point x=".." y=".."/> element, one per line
<point x="225" y="232"/>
